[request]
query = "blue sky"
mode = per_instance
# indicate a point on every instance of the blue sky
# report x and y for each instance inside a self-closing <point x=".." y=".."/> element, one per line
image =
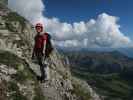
<point x="83" y="10"/>
<point x="70" y="21"/>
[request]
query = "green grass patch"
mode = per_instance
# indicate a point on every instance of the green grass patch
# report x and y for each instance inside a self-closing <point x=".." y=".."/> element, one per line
<point x="10" y="59"/>
<point x="38" y="94"/>
<point x="80" y="92"/>
<point x="15" y="93"/>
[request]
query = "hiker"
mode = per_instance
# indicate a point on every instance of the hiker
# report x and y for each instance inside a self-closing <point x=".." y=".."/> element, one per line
<point x="42" y="50"/>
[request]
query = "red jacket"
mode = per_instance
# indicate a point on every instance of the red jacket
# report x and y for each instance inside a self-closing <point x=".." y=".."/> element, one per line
<point x="39" y="42"/>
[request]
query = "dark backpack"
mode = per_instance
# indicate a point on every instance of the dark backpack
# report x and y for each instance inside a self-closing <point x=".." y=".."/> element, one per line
<point x="49" y="47"/>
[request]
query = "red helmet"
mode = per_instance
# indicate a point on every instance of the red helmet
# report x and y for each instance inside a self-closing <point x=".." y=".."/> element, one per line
<point x="39" y="25"/>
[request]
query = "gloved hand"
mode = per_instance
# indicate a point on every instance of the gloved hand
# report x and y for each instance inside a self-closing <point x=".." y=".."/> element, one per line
<point x="43" y="53"/>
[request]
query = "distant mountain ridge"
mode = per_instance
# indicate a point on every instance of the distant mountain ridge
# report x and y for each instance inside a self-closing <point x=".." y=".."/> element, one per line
<point x="109" y="73"/>
<point x="100" y="62"/>
<point x="126" y="51"/>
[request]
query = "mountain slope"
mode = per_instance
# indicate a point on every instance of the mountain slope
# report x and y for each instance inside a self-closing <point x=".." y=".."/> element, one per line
<point x="127" y="51"/>
<point x="109" y="73"/>
<point x="18" y="73"/>
<point x="100" y="62"/>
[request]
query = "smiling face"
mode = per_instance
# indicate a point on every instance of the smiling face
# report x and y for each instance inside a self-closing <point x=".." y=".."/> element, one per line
<point x="39" y="29"/>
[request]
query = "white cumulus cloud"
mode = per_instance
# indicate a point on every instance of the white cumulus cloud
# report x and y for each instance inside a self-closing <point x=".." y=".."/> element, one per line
<point x="30" y="9"/>
<point x="101" y="32"/>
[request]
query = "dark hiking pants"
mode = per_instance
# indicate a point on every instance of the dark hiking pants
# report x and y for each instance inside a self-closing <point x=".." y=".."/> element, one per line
<point x="40" y="60"/>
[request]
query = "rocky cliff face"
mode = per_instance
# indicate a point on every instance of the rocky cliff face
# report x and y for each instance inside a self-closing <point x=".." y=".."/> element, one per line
<point x="18" y="73"/>
<point x="3" y="2"/>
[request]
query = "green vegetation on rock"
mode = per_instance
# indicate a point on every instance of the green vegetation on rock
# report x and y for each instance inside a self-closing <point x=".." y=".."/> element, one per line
<point x="13" y="17"/>
<point x="10" y="59"/>
<point x="15" y="92"/>
<point x="80" y="92"/>
<point x="38" y="94"/>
